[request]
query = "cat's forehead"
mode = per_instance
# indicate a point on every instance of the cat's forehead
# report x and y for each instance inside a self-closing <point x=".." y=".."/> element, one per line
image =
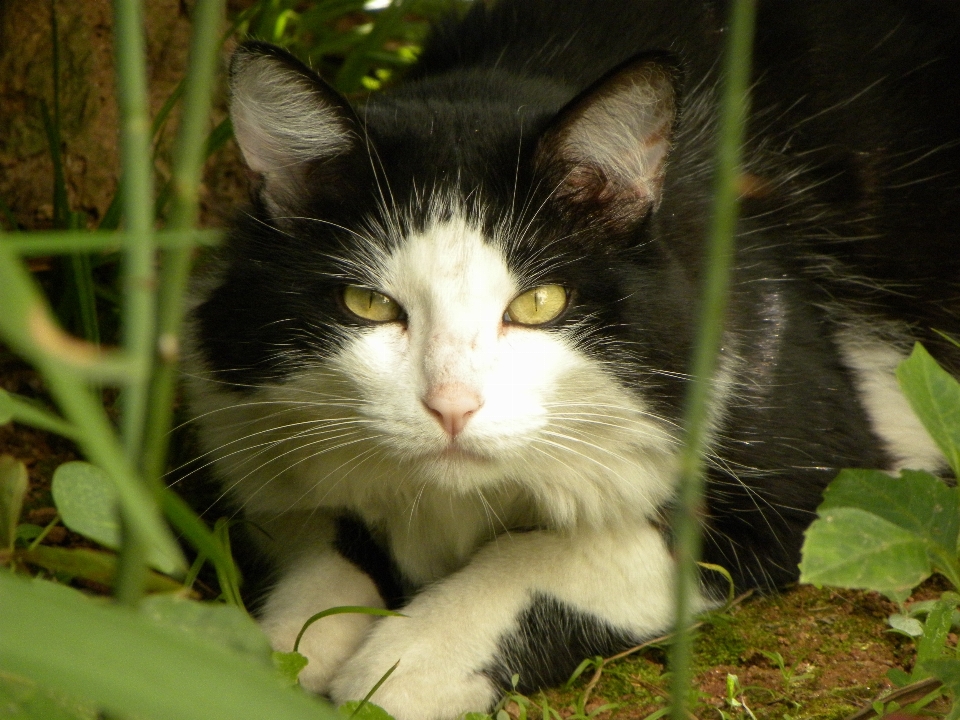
<point x="448" y="259"/>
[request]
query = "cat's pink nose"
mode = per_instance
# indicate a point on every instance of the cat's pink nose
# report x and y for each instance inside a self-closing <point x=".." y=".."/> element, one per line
<point x="452" y="406"/>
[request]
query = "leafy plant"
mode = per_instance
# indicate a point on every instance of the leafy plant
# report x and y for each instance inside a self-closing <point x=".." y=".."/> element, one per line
<point x="735" y="703"/>
<point x="879" y="532"/>
<point x="123" y="658"/>
<point x="358" y="44"/>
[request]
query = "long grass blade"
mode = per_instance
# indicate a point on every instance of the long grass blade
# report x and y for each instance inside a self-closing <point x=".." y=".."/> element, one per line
<point x="191" y="152"/>
<point x="139" y="312"/>
<point x="713" y="303"/>
<point x="28" y="327"/>
<point x="41" y="243"/>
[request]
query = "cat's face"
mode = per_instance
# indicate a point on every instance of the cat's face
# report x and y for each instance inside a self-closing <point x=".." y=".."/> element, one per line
<point x="439" y="320"/>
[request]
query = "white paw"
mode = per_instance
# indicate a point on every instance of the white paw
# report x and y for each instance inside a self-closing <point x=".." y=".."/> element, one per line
<point x="326" y="644"/>
<point x="438" y="677"/>
<point x="315" y="584"/>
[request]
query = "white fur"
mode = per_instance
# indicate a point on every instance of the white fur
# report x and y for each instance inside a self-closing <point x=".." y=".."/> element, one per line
<point x="314" y="582"/>
<point x="278" y="118"/>
<point x="873" y="360"/>
<point x="453" y="628"/>
<point x="558" y="443"/>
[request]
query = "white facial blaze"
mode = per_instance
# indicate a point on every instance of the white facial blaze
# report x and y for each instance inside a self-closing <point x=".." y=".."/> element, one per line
<point x="454" y="287"/>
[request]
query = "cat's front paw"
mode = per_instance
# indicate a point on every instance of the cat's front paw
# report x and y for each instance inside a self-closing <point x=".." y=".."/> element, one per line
<point x="325" y="644"/>
<point x="436" y="677"/>
<point x="315" y="584"/>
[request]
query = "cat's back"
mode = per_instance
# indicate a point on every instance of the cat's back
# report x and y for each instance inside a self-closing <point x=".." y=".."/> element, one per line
<point x="854" y="135"/>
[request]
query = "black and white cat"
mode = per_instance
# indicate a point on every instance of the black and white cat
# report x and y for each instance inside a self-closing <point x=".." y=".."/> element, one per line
<point x="442" y="359"/>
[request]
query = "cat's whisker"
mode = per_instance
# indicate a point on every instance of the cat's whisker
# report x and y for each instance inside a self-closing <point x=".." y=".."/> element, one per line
<point x="492" y="515"/>
<point x="567" y="449"/>
<point x="299" y="449"/>
<point x="244" y="446"/>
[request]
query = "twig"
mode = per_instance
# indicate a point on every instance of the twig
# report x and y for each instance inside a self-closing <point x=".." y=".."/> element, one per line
<point x="655" y="641"/>
<point x="636" y="648"/>
<point x="907" y="694"/>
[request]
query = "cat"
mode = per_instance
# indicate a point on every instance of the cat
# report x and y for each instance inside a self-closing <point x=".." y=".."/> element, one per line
<point x="442" y="358"/>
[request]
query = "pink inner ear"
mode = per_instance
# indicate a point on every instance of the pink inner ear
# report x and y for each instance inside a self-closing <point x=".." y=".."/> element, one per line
<point x="609" y="147"/>
<point x="589" y="183"/>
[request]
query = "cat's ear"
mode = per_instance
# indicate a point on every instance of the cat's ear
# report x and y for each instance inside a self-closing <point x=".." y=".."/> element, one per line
<point x="606" y="151"/>
<point x="288" y="123"/>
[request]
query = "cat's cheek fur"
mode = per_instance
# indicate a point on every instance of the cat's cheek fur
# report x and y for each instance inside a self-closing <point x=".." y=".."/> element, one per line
<point x="463" y="635"/>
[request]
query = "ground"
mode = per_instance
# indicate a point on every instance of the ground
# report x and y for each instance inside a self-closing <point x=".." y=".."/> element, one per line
<point x="804" y="653"/>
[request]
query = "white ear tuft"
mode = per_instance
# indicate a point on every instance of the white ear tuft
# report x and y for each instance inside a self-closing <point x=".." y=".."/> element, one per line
<point x="284" y="117"/>
<point x="611" y="143"/>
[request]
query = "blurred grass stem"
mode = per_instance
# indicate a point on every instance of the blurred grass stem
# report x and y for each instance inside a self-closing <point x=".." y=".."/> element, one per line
<point x="716" y="280"/>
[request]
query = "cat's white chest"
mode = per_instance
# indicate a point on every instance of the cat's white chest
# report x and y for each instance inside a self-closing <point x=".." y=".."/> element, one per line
<point x="440" y="532"/>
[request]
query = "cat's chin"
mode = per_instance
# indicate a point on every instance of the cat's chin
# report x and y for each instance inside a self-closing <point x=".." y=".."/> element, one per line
<point x="458" y="467"/>
<point x="458" y="453"/>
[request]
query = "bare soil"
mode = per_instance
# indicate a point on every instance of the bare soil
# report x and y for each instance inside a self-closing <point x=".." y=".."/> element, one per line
<point x="88" y="111"/>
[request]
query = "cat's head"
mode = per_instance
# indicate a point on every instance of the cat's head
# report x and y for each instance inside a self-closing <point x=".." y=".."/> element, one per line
<point x="468" y="276"/>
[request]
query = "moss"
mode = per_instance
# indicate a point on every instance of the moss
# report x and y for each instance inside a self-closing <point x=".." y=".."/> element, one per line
<point x="722" y="641"/>
<point x="833" y="646"/>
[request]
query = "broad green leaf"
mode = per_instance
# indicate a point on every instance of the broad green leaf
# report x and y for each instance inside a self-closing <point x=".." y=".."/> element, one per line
<point x="289" y="665"/>
<point x="92" y="565"/>
<point x="28" y="531"/>
<point x="223" y="625"/>
<point x="22" y="699"/>
<point x="898" y="677"/>
<point x="13" y="487"/>
<point x="934" y="396"/>
<point x="359" y="710"/>
<point x="916" y="501"/>
<point x="907" y="625"/>
<point x="933" y="642"/>
<point x="947" y="671"/>
<point x="124" y="662"/>
<point x="851" y="548"/>
<point x="88" y="500"/>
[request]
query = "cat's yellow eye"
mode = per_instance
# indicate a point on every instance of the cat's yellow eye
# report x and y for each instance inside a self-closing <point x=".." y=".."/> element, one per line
<point x="537" y="306"/>
<point x="370" y="304"/>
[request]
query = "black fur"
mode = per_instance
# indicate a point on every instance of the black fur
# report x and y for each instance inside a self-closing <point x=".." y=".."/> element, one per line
<point x="358" y="545"/>
<point x="549" y="640"/>
<point x="850" y="207"/>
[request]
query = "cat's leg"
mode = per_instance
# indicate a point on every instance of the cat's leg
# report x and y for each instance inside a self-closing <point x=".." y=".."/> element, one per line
<point x="532" y="604"/>
<point x="315" y="577"/>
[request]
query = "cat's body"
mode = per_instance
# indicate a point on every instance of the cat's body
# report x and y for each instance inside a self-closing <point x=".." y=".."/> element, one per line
<point x="442" y="361"/>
